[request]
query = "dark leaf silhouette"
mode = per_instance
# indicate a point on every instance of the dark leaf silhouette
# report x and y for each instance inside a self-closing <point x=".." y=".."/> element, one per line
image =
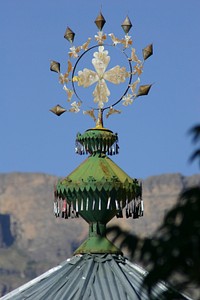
<point x="195" y="155"/>
<point x="195" y="131"/>
<point x="174" y="248"/>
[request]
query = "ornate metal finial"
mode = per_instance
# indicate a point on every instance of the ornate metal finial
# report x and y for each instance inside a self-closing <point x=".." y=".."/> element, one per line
<point x="98" y="74"/>
<point x="98" y="189"/>
<point x="126" y="25"/>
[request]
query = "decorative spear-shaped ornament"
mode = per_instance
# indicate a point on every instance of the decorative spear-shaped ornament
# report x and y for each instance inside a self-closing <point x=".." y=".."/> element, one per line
<point x="144" y="90"/>
<point x="100" y="21"/>
<point x="147" y="51"/>
<point x="126" y="25"/>
<point x="58" y="110"/>
<point x="55" y="66"/>
<point x="69" y="35"/>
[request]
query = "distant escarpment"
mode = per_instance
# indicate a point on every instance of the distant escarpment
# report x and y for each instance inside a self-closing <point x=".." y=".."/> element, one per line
<point x="32" y="240"/>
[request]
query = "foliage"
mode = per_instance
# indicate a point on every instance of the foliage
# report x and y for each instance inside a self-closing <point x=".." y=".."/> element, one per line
<point x="195" y="131"/>
<point x="175" y="247"/>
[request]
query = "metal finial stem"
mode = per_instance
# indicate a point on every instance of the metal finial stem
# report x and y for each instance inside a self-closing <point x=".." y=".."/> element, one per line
<point x="99" y="123"/>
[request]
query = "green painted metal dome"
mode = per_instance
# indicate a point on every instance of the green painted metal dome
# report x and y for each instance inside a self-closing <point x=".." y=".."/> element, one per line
<point x="98" y="189"/>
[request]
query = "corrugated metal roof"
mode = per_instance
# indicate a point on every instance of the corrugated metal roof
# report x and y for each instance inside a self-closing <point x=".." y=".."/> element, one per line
<point x="89" y="277"/>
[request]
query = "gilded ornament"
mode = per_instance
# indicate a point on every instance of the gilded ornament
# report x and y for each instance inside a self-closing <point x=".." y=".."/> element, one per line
<point x="147" y="51"/>
<point x="126" y="25"/>
<point x="100" y="21"/>
<point x="101" y="75"/>
<point x="69" y="35"/>
<point x="58" y="110"/>
<point x="144" y="90"/>
<point x="55" y="66"/>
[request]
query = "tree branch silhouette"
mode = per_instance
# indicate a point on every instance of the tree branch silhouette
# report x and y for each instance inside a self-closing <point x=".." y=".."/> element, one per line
<point x="174" y="248"/>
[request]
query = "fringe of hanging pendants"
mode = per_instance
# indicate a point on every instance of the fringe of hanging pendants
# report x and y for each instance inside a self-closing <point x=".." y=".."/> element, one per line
<point x="97" y="147"/>
<point x="133" y="208"/>
<point x="64" y="210"/>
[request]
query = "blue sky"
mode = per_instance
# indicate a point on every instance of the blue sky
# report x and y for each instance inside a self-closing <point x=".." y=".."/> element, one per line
<point x="153" y="132"/>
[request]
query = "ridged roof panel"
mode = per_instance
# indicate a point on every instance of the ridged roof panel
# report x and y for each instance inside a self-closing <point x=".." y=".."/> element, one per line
<point x="88" y="277"/>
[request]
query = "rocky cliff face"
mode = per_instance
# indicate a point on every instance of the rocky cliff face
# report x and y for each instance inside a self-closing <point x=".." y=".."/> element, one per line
<point x="32" y="240"/>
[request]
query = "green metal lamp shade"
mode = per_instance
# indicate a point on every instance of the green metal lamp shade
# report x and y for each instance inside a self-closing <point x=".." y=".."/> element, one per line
<point x="98" y="190"/>
<point x="97" y="141"/>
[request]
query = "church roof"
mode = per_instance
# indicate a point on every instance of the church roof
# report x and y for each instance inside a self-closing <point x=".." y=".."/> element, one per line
<point x="91" y="277"/>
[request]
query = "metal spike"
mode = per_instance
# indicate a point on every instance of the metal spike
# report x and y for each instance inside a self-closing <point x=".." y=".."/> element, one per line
<point x="147" y="51"/>
<point x="142" y="207"/>
<point x="113" y="150"/>
<point x="93" y="204"/>
<point x="143" y="90"/>
<point x="99" y="203"/>
<point x="55" y="66"/>
<point x="117" y="149"/>
<point x="56" y="209"/>
<point x="116" y="204"/>
<point x="126" y="203"/>
<point x="81" y="204"/>
<point x="134" y="215"/>
<point x="76" y="205"/>
<point x="108" y="203"/>
<point x="87" y="203"/>
<point x="69" y="35"/>
<point x="100" y="21"/>
<point x="58" y="110"/>
<point x="126" y="25"/>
